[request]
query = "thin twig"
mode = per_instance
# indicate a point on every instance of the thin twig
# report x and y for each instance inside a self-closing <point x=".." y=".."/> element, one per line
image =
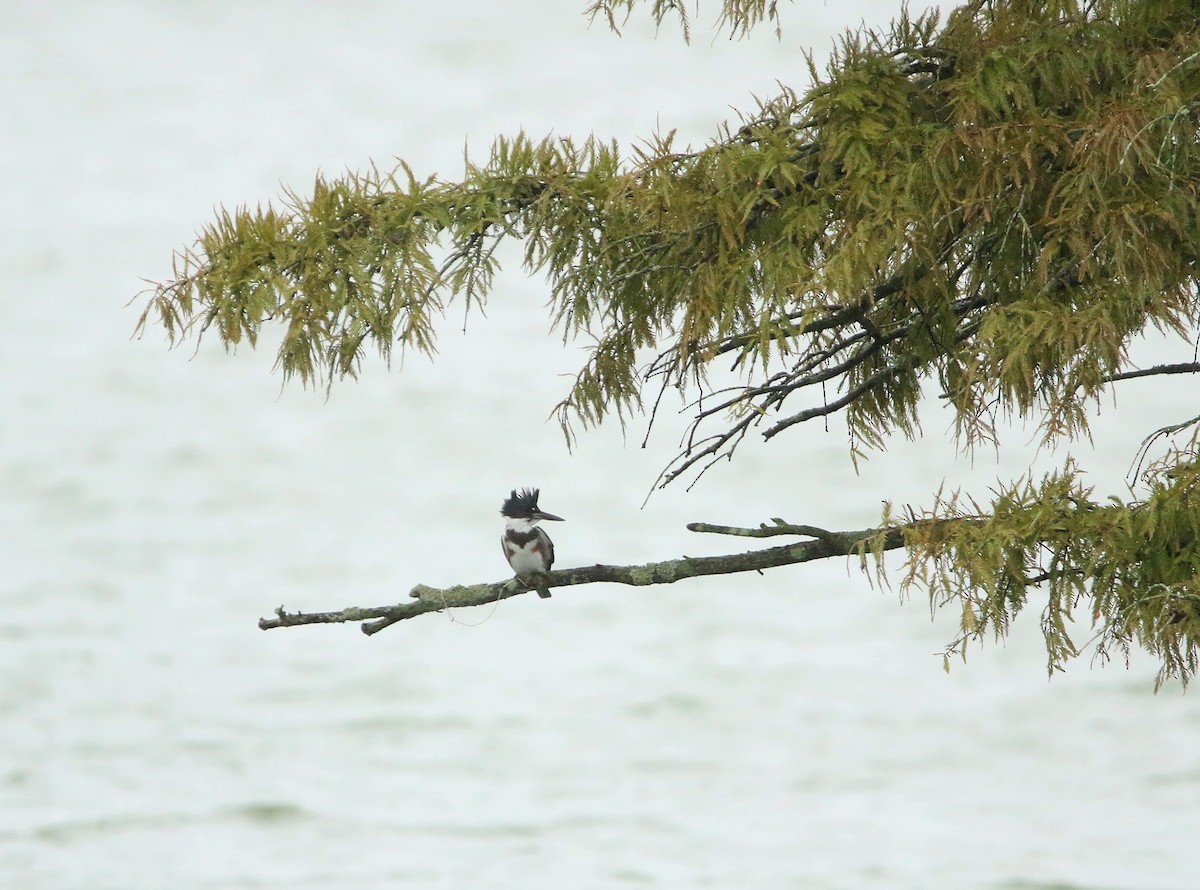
<point x="763" y="531"/>
<point x="1179" y="368"/>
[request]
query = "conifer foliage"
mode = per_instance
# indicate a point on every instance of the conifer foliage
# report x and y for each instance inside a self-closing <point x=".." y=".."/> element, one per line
<point x="988" y="207"/>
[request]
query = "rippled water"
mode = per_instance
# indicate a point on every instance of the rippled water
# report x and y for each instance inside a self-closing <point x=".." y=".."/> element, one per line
<point x="788" y="730"/>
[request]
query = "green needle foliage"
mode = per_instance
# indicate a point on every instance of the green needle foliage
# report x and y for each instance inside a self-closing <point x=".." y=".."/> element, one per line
<point x="991" y="207"/>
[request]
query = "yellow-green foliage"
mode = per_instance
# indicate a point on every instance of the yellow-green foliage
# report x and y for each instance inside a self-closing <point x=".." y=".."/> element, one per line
<point x="995" y="205"/>
<point x="1124" y="574"/>
<point x="739" y="16"/>
<point x="999" y="204"/>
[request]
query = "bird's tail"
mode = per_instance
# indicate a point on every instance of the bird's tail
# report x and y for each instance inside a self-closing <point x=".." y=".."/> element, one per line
<point x="544" y="593"/>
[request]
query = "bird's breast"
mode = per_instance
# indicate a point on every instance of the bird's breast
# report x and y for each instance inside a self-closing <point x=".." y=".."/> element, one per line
<point x="528" y="559"/>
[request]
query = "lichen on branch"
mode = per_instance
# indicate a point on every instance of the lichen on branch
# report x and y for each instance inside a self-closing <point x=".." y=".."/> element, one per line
<point x="432" y="599"/>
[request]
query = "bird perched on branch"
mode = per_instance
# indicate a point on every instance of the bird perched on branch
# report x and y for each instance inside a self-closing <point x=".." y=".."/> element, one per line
<point x="527" y="548"/>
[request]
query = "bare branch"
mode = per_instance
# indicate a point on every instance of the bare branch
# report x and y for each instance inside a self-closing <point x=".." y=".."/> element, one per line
<point x="880" y="376"/>
<point x="1163" y="433"/>
<point x="763" y="531"/>
<point x="433" y="599"/>
<point x="1181" y="368"/>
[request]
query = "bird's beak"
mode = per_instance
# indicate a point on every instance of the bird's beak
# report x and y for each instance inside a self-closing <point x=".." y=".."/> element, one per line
<point x="541" y="515"/>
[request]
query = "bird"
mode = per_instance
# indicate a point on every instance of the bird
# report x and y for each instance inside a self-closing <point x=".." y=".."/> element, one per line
<point x="527" y="548"/>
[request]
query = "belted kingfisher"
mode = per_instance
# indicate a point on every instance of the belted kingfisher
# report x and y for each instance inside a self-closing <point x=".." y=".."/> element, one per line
<point x="527" y="548"/>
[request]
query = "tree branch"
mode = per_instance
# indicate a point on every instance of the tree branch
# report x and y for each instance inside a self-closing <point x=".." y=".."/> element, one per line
<point x="1181" y="368"/>
<point x="763" y="531"/>
<point x="434" y="599"/>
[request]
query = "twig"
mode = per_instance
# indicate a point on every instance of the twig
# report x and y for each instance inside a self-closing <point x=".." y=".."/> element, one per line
<point x="763" y="531"/>
<point x="1180" y="368"/>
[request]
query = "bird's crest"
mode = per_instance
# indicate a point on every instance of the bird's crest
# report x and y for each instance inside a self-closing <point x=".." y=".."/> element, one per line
<point x="522" y="502"/>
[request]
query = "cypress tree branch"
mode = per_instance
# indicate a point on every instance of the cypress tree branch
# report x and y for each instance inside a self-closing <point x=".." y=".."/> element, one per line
<point x="1181" y="368"/>
<point x="780" y="527"/>
<point x="434" y="599"/>
<point x="996" y="202"/>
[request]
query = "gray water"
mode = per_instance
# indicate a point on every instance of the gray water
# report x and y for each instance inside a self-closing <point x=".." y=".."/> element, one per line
<point x="787" y="730"/>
